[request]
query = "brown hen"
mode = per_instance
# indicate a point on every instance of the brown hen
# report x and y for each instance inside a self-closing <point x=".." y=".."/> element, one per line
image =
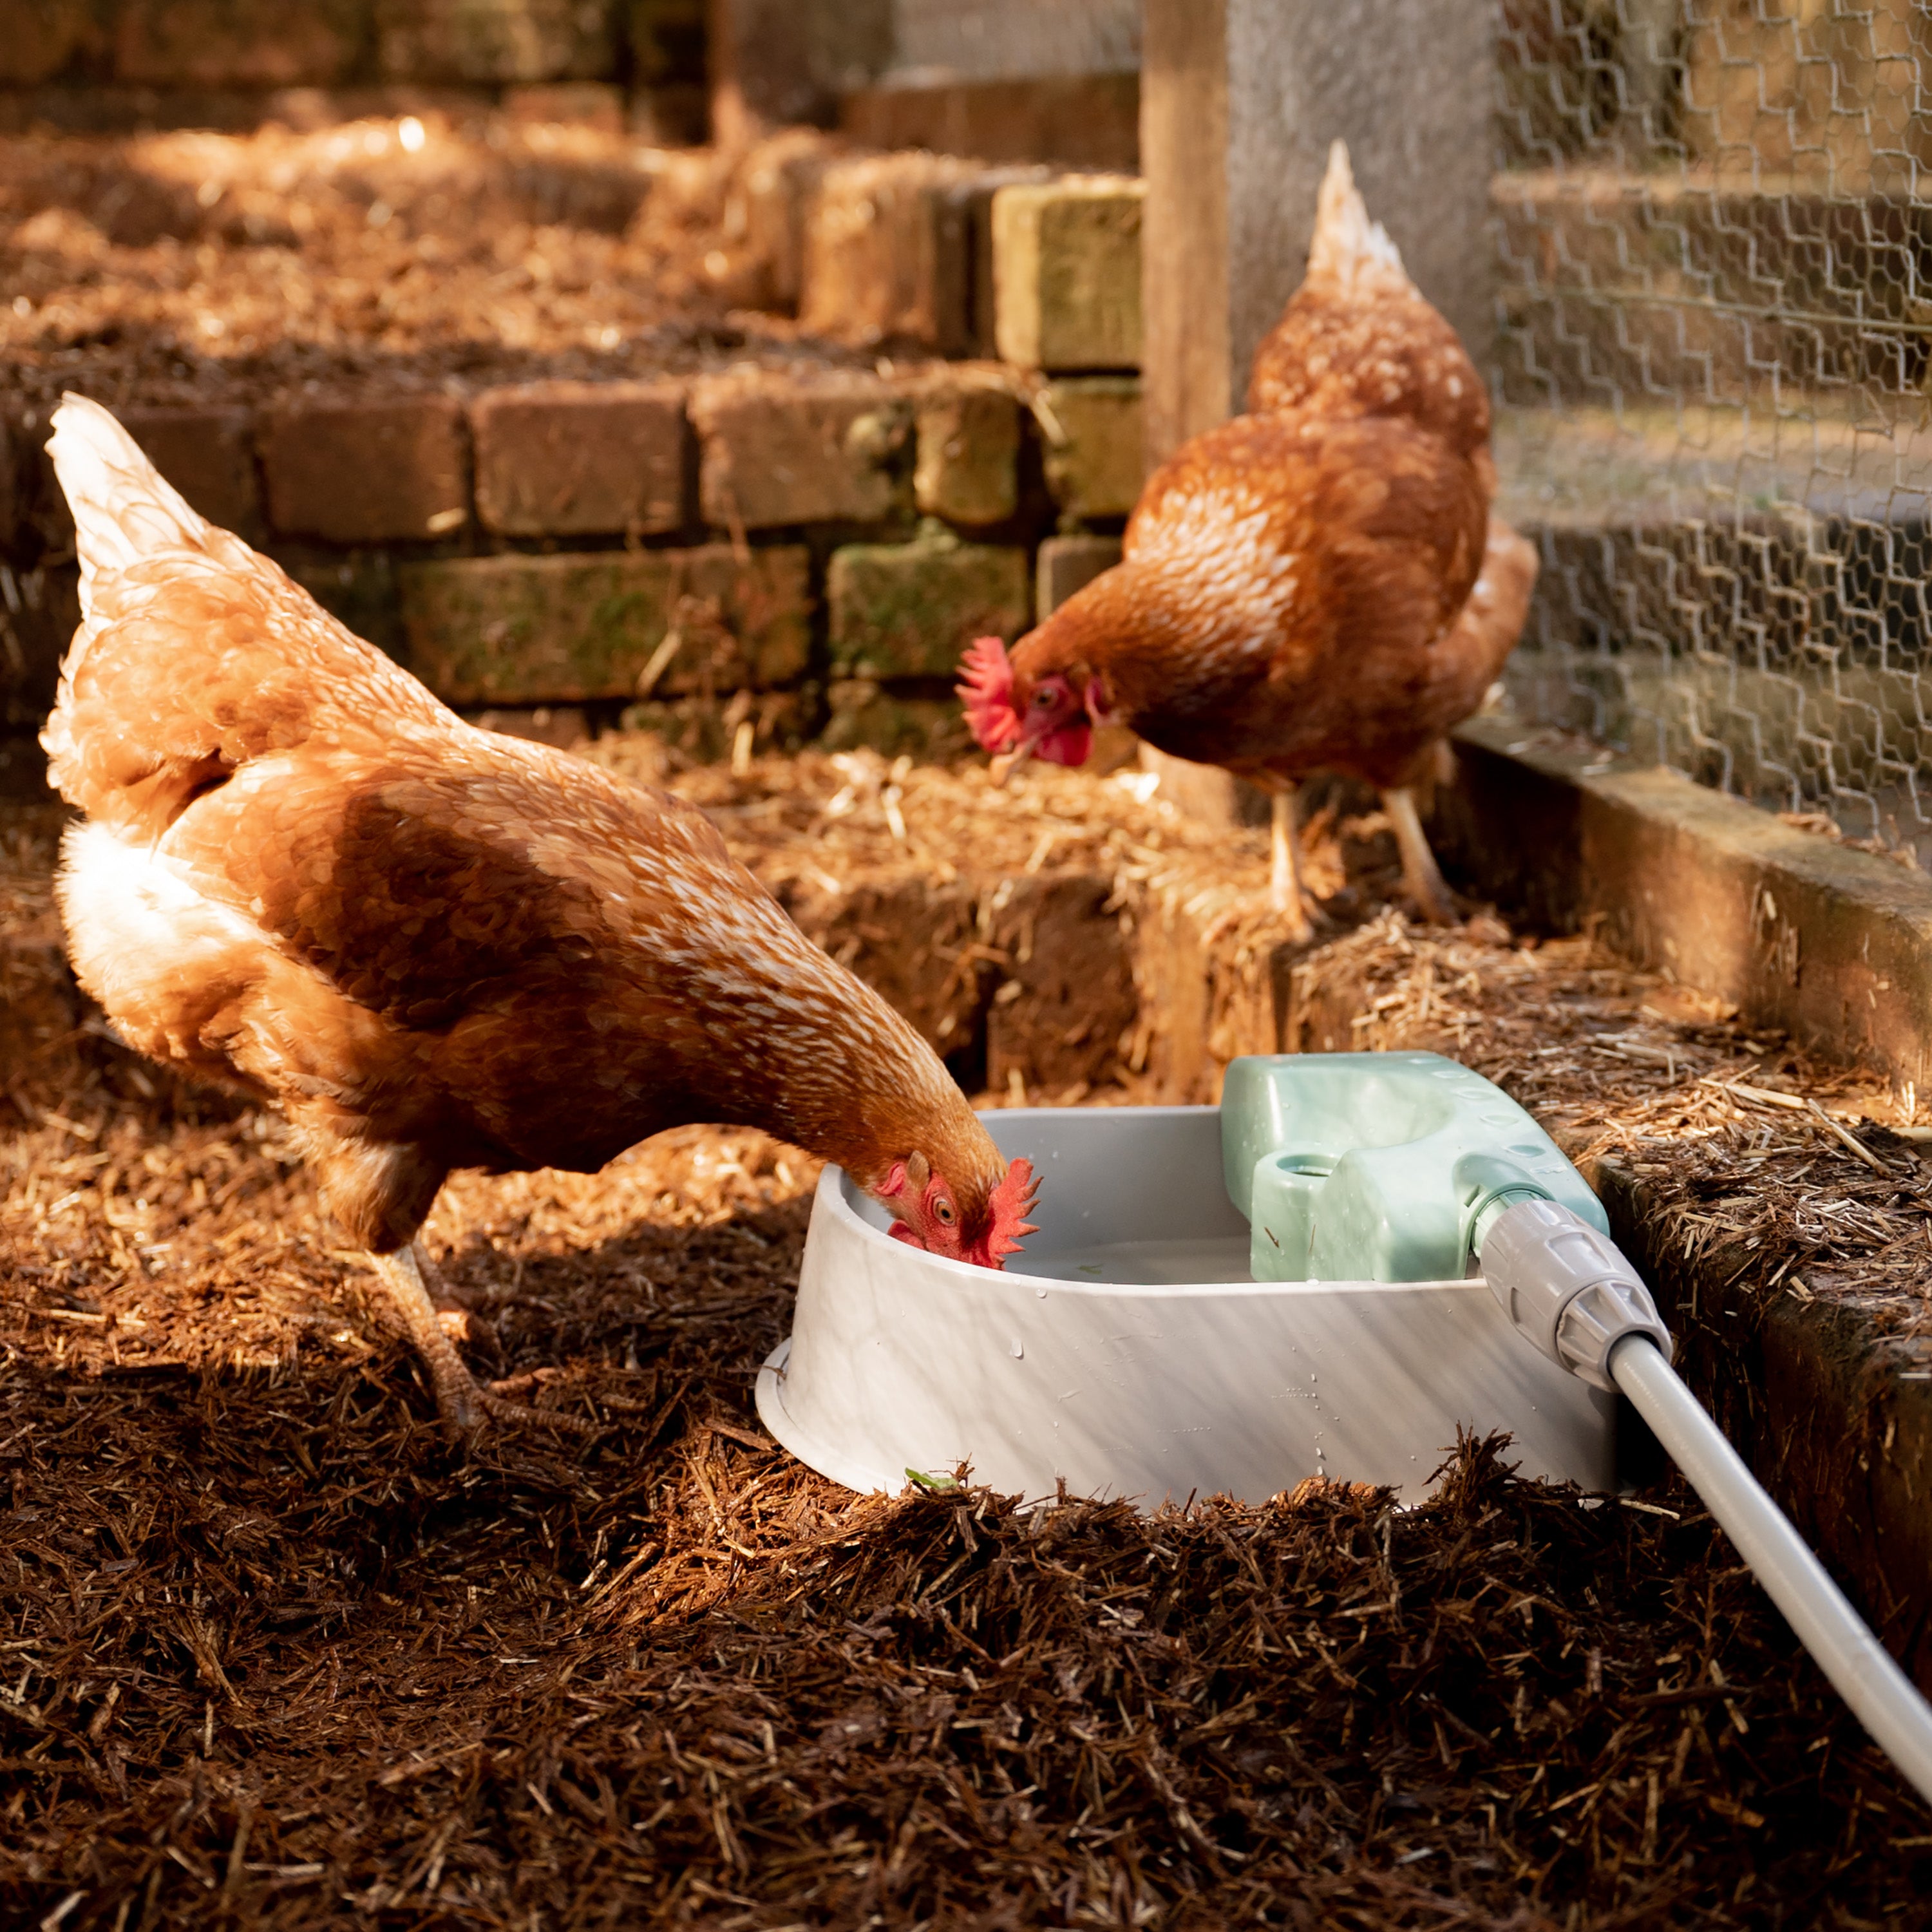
<point x="1317" y="584"/>
<point x="435" y="947"/>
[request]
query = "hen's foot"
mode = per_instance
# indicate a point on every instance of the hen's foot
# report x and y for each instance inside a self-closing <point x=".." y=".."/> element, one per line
<point x="462" y="1404"/>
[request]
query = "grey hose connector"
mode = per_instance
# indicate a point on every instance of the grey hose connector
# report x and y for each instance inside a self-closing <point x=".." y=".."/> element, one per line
<point x="1569" y="1290"/>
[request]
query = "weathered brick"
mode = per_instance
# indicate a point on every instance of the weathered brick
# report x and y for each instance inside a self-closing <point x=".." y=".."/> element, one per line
<point x="568" y="103"/>
<point x="828" y="448"/>
<point x="770" y="204"/>
<point x="863" y="714"/>
<point x="910" y="610"/>
<point x="967" y="469"/>
<point x="888" y="251"/>
<point x="41" y="37"/>
<point x="1094" y="467"/>
<point x="14" y="487"/>
<point x="208" y="455"/>
<point x="1088" y="121"/>
<point x="217" y="43"/>
<point x="872" y="246"/>
<point x="375" y="472"/>
<point x="705" y="730"/>
<point x="565" y="459"/>
<point x="495" y="40"/>
<point x="1066" y="273"/>
<point x="1068" y="564"/>
<point x="534" y="630"/>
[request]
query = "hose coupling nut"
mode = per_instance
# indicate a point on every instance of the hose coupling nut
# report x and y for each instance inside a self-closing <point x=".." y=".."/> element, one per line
<point x="1568" y="1288"/>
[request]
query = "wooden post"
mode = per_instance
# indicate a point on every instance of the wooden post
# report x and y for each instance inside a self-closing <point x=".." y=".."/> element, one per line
<point x="1239" y="101"/>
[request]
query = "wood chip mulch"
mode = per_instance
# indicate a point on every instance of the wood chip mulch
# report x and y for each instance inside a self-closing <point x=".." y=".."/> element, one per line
<point x="270" y="1654"/>
<point x="198" y="267"/>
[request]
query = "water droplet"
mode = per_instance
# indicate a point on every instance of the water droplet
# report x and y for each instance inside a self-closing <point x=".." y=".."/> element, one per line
<point x="1018" y="1347"/>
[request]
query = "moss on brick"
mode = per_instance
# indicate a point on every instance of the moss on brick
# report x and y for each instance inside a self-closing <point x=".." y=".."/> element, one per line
<point x="525" y="630"/>
<point x="1066" y="273"/>
<point x="910" y="610"/>
<point x="968" y="469"/>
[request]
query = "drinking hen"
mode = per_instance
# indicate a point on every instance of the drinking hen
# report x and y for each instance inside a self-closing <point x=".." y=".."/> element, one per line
<point x="436" y="947"/>
<point x="1317" y="584"/>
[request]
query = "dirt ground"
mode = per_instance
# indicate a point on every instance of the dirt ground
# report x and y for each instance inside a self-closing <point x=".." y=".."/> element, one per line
<point x="380" y="254"/>
<point x="272" y="1654"/>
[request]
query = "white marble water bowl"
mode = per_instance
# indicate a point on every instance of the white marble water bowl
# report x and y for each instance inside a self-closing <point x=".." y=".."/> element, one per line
<point x="1128" y="1350"/>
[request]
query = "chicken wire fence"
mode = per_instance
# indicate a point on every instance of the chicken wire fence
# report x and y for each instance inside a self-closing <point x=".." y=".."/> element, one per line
<point x="1715" y="236"/>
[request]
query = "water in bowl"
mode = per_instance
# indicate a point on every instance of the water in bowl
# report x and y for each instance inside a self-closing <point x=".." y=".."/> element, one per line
<point x="1152" y="1264"/>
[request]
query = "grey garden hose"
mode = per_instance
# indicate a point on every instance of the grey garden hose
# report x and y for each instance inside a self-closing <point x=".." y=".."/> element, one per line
<point x="1571" y="1292"/>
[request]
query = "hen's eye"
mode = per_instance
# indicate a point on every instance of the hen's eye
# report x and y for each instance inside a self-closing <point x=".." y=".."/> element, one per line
<point x="1041" y="698"/>
<point x="944" y="1209"/>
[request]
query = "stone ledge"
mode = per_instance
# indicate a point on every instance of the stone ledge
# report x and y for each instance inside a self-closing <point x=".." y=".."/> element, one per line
<point x="1833" y="945"/>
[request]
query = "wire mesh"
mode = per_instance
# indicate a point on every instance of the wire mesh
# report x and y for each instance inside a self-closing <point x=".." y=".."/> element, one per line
<point x="1715" y="245"/>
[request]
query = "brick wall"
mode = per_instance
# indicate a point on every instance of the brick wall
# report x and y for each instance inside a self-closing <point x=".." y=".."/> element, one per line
<point x="807" y="551"/>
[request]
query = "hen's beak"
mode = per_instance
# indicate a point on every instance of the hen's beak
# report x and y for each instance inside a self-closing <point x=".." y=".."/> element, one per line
<point x="1003" y="767"/>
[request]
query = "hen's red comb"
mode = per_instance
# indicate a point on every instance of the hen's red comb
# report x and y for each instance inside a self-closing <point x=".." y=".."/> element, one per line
<point x="985" y="690"/>
<point x="1011" y="1202"/>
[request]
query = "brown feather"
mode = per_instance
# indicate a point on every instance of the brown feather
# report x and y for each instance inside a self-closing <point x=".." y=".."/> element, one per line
<point x="1318" y="583"/>
<point x="435" y="947"/>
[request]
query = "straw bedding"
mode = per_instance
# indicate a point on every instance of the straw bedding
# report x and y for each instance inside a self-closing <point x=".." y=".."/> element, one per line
<point x="271" y="1653"/>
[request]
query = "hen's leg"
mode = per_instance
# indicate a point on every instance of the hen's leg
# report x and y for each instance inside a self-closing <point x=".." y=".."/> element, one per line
<point x="454" y="1316"/>
<point x="1284" y="873"/>
<point x="464" y="1406"/>
<point x="1420" y="875"/>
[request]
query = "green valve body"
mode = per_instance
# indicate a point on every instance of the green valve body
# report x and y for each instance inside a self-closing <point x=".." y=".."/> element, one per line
<point x="1380" y="1166"/>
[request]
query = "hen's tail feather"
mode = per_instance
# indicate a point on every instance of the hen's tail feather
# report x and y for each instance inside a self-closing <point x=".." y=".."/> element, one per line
<point x="1489" y="624"/>
<point x="124" y="509"/>
<point x="1346" y="241"/>
<point x="194" y="656"/>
